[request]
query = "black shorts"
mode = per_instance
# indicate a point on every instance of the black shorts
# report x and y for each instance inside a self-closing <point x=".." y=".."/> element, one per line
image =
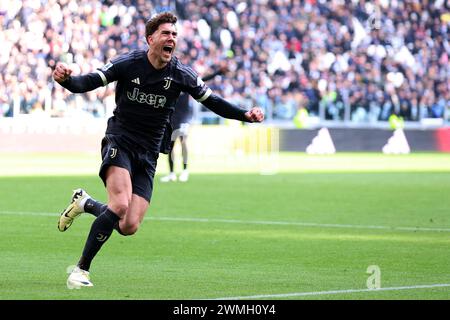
<point x="121" y="152"/>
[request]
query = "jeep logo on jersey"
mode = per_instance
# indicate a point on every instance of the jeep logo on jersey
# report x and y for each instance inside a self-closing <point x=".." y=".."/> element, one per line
<point x="153" y="100"/>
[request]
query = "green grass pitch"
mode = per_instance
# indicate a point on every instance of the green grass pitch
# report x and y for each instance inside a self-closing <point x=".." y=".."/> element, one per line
<point x="308" y="232"/>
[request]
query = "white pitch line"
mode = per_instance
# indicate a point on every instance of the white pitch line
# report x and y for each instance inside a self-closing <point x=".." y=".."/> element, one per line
<point x="318" y="293"/>
<point x="261" y="222"/>
<point x="303" y="224"/>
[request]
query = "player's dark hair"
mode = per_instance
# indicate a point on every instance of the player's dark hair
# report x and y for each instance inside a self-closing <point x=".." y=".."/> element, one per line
<point x="153" y="24"/>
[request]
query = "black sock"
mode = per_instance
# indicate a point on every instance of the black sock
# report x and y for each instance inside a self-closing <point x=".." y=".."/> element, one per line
<point x="171" y="167"/>
<point x="171" y="161"/>
<point x="184" y="166"/>
<point x="101" y="229"/>
<point x="117" y="228"/>
<point x="94" y="207"/>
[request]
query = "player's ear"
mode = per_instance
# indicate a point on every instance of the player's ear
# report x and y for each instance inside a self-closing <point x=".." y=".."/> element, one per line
<point x="149" y="39"/>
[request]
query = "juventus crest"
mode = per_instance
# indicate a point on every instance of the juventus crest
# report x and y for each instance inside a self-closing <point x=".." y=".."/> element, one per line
<point x="167" y="82"/>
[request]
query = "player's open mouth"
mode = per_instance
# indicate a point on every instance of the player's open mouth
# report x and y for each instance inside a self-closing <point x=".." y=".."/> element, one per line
<point x="168" y="49"/>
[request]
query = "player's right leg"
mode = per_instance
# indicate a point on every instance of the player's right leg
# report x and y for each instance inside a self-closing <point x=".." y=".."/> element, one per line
<point x="119" y="188"/>
<point x="142" y="184"/>
<point x="130" y="223"/>
<point x="115" y="173"/>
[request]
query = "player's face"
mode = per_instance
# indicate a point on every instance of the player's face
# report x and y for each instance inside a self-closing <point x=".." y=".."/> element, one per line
<point x="164" y="41"/>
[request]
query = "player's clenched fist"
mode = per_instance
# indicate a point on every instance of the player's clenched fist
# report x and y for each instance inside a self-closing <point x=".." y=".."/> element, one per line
<point x="255" y="115"/>
<point x="61" y="72"/>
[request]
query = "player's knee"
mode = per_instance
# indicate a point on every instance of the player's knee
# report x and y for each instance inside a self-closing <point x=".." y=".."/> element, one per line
<point x="120" y="207"/>
<point x="129" y="229"/>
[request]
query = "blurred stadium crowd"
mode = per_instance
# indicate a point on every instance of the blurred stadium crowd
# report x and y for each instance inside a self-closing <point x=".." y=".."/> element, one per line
<point x="358" y="61"/>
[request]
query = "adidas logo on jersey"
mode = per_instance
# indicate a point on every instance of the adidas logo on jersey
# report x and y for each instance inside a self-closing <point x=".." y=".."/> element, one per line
<point x="136" y="81"/>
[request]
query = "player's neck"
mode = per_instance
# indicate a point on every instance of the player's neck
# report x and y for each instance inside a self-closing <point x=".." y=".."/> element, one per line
<point x="155" y="61"/>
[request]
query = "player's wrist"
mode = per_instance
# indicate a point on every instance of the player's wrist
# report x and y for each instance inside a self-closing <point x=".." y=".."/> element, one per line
<point x="248" y="117"/>
<point x="64" y="81"/>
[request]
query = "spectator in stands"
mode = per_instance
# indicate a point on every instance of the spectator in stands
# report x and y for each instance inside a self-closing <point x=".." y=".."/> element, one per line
<point x="275" y="44"/>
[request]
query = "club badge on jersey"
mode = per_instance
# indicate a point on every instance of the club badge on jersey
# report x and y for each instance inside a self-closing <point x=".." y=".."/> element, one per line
<point x="167" y="82"/>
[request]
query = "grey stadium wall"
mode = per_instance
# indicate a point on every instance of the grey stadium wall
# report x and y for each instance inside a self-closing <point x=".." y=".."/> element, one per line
<point x="347" y="139"/>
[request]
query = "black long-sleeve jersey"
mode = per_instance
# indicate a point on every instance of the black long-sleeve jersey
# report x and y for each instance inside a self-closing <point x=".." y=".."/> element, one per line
<point x="146" y="97"/>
